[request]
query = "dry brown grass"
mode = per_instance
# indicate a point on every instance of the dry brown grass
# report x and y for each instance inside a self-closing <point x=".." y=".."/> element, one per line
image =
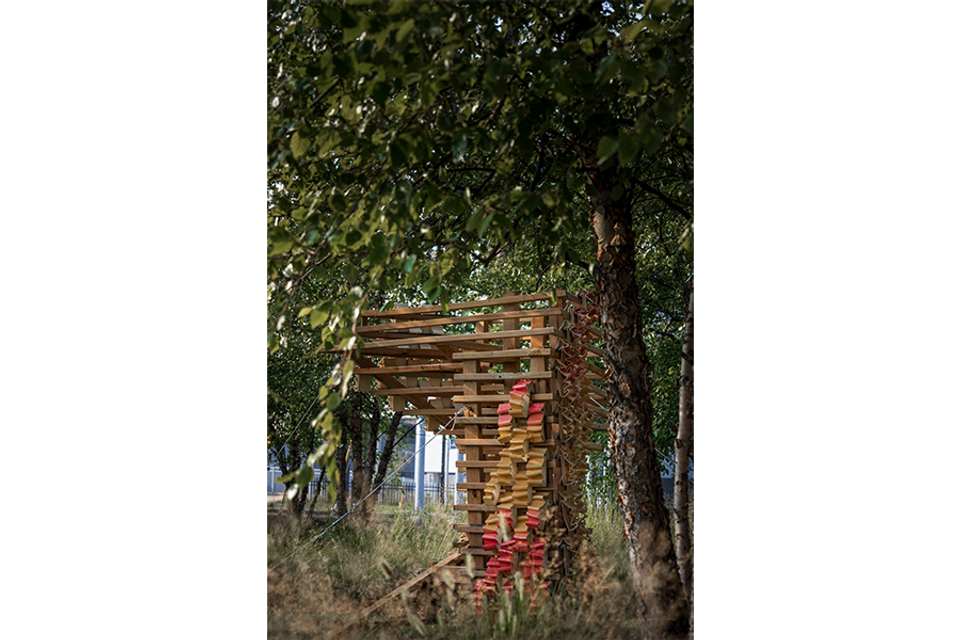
<point x="316" y="593"/>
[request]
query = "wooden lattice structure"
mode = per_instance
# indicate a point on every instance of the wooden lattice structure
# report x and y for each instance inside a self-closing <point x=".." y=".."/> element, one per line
<point x="521" y="455"/>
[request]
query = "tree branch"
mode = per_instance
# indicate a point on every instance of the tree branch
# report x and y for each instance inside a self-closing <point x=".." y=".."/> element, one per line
<point x="667" y="201"/>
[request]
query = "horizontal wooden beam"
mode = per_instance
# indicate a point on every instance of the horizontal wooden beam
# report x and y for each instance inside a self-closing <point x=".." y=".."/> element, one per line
<point x="471" y="319"/>
<point x="419" y="391"/>
<point x="468" y="528"/>
<point x="475" y="507"/>
<point x="501" y="398"/>
<point x="466" y="486"/>
<point x="457" y="306"/>
<point x="411" y="368"/>
<point x="508" y="354"/>
<point x="477" y="464"/>
<point x="429" y="412"/>
<point x="477" y="442"/>
<point x="466" y="338"/>
<point x="461" y="433"/>
<point x="400" y="352"/>
<point x="537" y="375"/>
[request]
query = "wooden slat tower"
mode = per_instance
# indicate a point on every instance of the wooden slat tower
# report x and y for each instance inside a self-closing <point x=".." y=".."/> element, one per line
<point x="431" y="364"/>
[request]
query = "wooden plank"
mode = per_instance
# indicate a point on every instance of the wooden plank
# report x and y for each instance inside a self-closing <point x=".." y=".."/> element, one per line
<point x="448" y="320"/>
<point x="397" y="352"/>
<point x="501" y="398"/>
<point x="478" y="442"/>
<point x="428" y="412"/>
<point x="450" y="559"/>
<point x="390" y="381"/>
<point x="451" y="341"/>
<point x="483" y="508"/>
<point x="479" y="420"/>
<point x="423" y="391"/>
<point x="414" y="368"/>
<point x="477" y="464"/>
<point x="468" y="339"/>
<point x="468" y="528"/>
<point x="500" y="356"/>
<point x="461" y="433"/>
<point x="465" y="486"/>
<point x="458" y="306"/>
<point x="538" y="375"/>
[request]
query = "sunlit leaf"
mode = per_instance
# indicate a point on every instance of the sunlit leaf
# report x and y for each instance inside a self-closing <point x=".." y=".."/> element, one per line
<point x="299" y="144"/>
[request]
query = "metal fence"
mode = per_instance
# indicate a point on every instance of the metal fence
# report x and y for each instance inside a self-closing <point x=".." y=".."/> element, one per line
<point x="391" y="493"/>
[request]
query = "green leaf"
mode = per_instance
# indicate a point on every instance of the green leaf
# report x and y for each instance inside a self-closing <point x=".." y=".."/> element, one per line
<point x="378" y="251"/>
<point x="317" y="318"/>
<point x="299" y="144"/>
<point x="333" y="401"/>
<point x="687" y="124"/>
<point x="305" y="477"/>
<point x="408" y="264"/>
<point x="398" y="153"/>
<point x="404" y="30"/>
<point x="280" y="241"/>
<point x="484" y="224"/>
<point x="332" y="471"/>
<point x="659" y="7"/>
<point x="380" y="91"/>
<point x="447" y="260"/>
<point x="630" y="32"/>
<point x="350" y="272"/>
<point x="347" y="373"/>
<point x="629" y="145"/>
<point x="352" y="33"/>
<point x="607" y="147"/>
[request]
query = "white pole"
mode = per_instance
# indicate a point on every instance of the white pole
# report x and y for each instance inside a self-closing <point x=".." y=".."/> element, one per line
<point x="418" y="472"/>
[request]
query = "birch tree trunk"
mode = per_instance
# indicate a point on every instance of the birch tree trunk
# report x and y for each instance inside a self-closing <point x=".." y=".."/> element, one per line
<point x="664" y="608"/>
<point x="386" y="455"/>
<point x="340" y="454"/>
<point x="681" y="487"/>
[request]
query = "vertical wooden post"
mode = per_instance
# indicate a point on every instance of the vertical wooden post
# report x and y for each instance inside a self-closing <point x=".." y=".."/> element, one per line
<point x="512" y="324"/>
<point x="473" y="454"/>
<point x="555" y="474"/>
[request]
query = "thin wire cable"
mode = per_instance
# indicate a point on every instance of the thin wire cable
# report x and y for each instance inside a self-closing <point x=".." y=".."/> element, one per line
<point x="372" y="491"/>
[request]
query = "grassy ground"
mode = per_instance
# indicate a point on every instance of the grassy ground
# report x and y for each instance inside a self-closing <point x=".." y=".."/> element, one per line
<point x="312" y="594"/>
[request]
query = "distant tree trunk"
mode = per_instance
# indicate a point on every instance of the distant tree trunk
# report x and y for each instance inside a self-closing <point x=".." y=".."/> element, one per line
<point x="356" y="486"/>
<point x="387" y="454"/>
<point x="664" y="608"/>
<point x="341" y="457"/>
<point x="316" y="494"/>
<point x="370" y="459"/>
<point x="290" y="461"/>
<point x="693" y="575"/>
<point x="684" y="438"/>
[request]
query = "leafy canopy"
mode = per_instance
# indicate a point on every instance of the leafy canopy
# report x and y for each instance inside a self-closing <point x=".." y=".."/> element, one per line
<point x="411" y="143"/>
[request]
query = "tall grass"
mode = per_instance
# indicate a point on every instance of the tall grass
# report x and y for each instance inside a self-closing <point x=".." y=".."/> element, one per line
<point x="313" y="594"/>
